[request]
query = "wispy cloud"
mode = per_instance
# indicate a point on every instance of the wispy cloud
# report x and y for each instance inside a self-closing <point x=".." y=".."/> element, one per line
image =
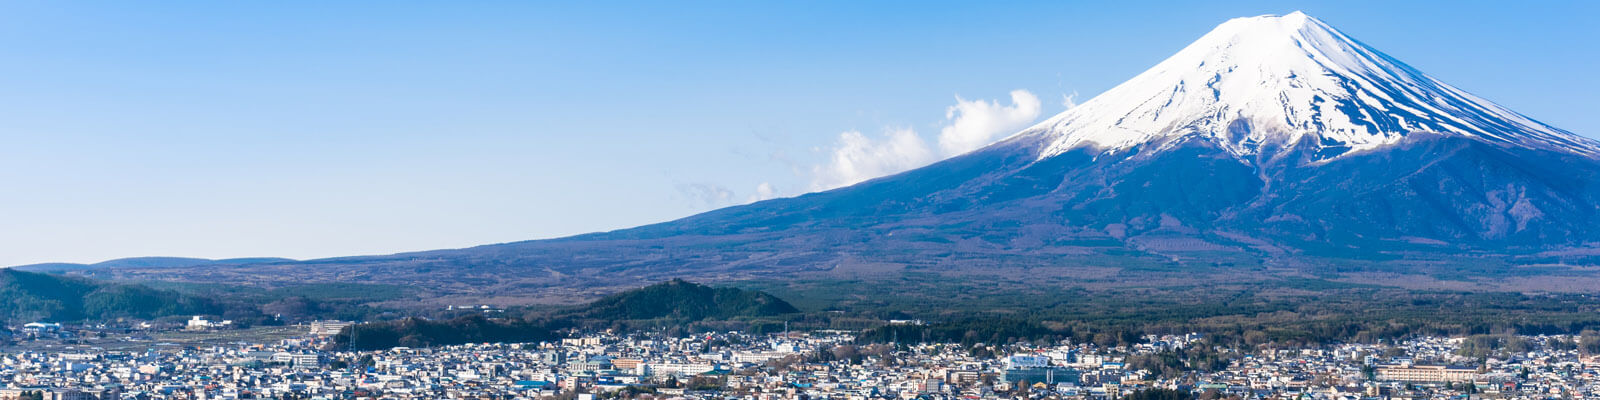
<point x="857" y="158"/>
<point x="968" y="125"/>
<point x="764" y="191"/>
<point x="974" y="124"/>
<point x="705" y="195"/>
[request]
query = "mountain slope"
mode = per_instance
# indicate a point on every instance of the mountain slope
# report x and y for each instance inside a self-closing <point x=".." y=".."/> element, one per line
<point x="677" y="299"/>
<point x="1274" y="80"/>
<point x="145" y="262"/>
<point x="1272" y="145"/>
<point x="675" y="303"/>
<point x="1279" y="127"/>
<point x="27" y="297"/>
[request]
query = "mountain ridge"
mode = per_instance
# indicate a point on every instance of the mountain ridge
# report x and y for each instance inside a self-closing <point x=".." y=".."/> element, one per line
<point x="1408" y="177"/>
<point x="1269" y="80"/>
<point x="146" y="262"/>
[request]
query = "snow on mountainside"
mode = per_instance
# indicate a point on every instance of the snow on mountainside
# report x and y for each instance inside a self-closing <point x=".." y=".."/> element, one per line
<point x="1272" y="129"/>
<point x="1271" y="80"/>
<point x="1271" y="145"/>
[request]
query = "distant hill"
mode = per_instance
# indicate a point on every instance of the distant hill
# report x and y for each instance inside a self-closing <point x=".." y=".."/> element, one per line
<point x="43" y="267"/>
<point x="418" y="332"/>
<point x="147" y="262"/>
<point x="677" y="301"/>
<point x="1272" y="148"/>
<point x="28" y="296"/>
<point x="682" y="300"/>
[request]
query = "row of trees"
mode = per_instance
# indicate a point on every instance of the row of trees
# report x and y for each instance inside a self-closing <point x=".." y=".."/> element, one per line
<point x="678" y="307"/>
<point x="1246" y="319"/>
<point x="28" y="296"/>
<point x="1376" y="329"/>
<point x="417" y="332"/>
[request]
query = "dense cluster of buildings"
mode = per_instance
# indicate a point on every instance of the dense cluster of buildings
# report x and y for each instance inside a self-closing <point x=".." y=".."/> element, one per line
<point x="816" y="365"/>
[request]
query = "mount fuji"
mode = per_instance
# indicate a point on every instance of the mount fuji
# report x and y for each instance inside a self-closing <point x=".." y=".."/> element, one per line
<point x="1275" y="131"/>
<point x="1253" y="84"/>
<point x="1271" y="143"/>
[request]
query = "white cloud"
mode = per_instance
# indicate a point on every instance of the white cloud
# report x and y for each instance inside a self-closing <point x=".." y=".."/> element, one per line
<point x="857" y="158"/>
<point x="1070" y="101"/>
<point x="968" y="125"/>
<point x="974" y="124"/>
<point x="764" y="191"/>
<point x="705" y="195"/>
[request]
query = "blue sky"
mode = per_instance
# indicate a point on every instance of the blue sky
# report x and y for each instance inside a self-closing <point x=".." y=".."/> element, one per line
<point x="309" y="129"/>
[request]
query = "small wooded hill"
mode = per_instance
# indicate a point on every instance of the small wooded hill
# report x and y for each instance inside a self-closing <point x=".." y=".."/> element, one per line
<point x="28" y="296"/>
<point x="681" y="300"/>
<point x="675" y="303"/>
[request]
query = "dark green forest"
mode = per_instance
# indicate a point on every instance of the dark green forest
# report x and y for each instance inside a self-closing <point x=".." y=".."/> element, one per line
<point x="1289" y="313"/>
<point x="1334" y="315"/>
<point x="418" y="332"/>
<point x="28" y="296"/>
<point x="671" y="304"/>
<point x="33" y="296"/>
<point x="678" y="299"/>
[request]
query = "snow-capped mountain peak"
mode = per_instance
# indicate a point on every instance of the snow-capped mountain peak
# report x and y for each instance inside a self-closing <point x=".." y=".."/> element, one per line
<point x="1271" y="81"/>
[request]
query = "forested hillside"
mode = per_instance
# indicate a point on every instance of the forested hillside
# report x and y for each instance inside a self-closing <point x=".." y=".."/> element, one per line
<point x="28" y="296"/>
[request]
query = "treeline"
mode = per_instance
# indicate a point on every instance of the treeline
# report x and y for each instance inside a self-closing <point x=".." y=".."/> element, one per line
<point x="417" y="332"/>
<point x="1370" y="329"/>
<point x="31" y="296"/>
<point x="676" y="306"/>
<point x="1484" y="346"/>
<point x="681" y="300"/>
<point x="966" y="332"/>
<point x="1228" y="320"/>
<point x="1177" y="362"/>
<point x="1159" y="394"/>
<point x="28" y="296"/>
<point x="1243" y="319"/>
